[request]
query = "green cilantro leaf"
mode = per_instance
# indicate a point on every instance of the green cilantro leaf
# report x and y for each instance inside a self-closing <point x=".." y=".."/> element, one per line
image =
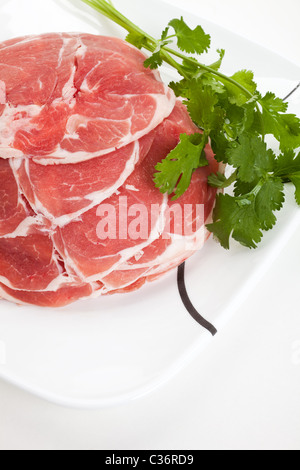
<point x="270" y="198"/>
<point x="252" y="158"/>
<point x="154" y="61"/>
<point x="181" y="89"/>
<point x="175" y="172"/>
<point x="245" y="79"/>
<point x="215" y="85"/>
<point x="136" y="39"/>
<point x="287" y="163"/>
<point x="274" y="104"/>
<point x="236" y="218"/>
<point x="241" y="188"/>
<point x="217" y="65"/>
<point x="202" y="107"/>
<point x="295" y="179"/>
<point x="219" y="144"/>
<point x="245" y="217"/>
<point x="239" y="119"/>
<point x="164" y="34"/>
<point x="287" y="167"/>
<point x="188" y="40"/>
<point x="284" y="127"/>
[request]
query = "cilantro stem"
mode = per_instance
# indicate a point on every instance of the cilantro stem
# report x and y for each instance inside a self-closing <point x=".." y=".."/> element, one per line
<point x="107" y="9"/>
<point x="256" y="189"/>
<point x="169" y="60"/>
<point x="171" y="37"/>
<point x="215" y="182"/>
<point x="209" y="69"/>
<point x="231" y="179"/>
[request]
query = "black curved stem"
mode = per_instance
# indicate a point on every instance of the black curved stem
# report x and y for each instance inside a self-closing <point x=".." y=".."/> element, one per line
<point x="292" y="92"/>
<point x="188" y="304"/>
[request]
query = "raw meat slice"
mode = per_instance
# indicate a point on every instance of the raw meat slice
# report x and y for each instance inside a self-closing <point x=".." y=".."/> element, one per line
<point x="36" y="69"/>
<point x="30" y="263"/>
<point x="65" y="295"/>
<point x="63" y="193"/>
<point x="16" y="217"/>
<point x="71" y="97"/>
<point x="91" y="257"/>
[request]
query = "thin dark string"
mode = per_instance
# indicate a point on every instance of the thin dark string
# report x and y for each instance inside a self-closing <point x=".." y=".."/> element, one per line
<point x="188" y="304"/>
<point x="292" y="92"/>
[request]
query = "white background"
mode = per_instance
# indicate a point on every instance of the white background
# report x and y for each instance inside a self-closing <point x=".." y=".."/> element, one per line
<point x="243" y="391"/>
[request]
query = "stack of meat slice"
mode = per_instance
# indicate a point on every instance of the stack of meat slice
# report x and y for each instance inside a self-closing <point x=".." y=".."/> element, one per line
<point x="82" y="126"/>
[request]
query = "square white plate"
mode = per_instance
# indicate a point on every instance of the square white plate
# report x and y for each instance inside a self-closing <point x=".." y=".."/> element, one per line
<point x="107" y="351"/>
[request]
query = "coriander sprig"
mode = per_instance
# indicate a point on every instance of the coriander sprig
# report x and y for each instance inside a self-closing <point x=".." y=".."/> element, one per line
<point x="234" y="118"/>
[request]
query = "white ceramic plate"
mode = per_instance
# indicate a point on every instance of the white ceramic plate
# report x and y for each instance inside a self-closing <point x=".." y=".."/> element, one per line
<point x="110" y="350"/>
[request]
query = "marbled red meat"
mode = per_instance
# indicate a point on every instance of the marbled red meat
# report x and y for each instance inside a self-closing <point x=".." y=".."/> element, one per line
<point x="72" y="97"/>
<point x="82" y="126"/>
